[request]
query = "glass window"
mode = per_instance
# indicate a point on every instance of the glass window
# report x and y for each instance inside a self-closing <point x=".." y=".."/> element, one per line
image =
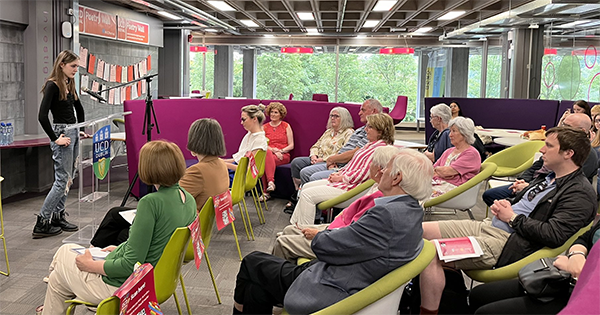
<point x="197" y="70"/>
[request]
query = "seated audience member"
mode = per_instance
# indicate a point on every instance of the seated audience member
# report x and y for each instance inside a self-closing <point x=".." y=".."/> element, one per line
<point x="546" y="213"/>
<point x="439" y="141"/>
<point x="207" y="178"/>
<point x="579" y="107"/>
<point x="388" y="236"/>
<point x="281" y="142"/>
<point x="345" y="154"/>
<point x="589" y="168"/>
<point x="457" y="164"/>
<point x="339" y="129"/>
<point x="509" y="297"/>
<point x="595" y="110"/>
<point x="295" y="242"/>
<point x="477" y="144"/>
<point x="161" y="164"/>
<point x="254" y="140"/>
<point x="380" y="131"/>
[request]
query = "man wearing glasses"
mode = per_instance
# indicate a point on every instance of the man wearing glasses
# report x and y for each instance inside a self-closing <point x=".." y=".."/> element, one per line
<point x="547" y="212"/>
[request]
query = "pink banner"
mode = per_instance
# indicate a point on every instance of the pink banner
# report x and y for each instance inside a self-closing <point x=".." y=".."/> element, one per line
<point x="97" y="23"/>
<point x="197" y="242"/>
<point x="137" y="294"/>
<point x="223" y="209"/>
<point x="133" y="31"/>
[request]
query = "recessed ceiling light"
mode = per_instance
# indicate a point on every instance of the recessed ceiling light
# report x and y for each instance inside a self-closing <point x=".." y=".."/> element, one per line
<point x="318" y="47"/>
<point x="268" y="36"/>
<point x="573" y="24"/>
<point x="371" y="23"/>
<point x="210" y="30"/>
<point x="361" y="36"/>
<point x="451" y="15"/>
<point x="424" y="29"/>
<point x="249" y="23"/>
<point x="306" y="16"/>
<point x="312" y="31"/>
<point x="168" y="15"/>
<point x="384" y="5"/>
<point x="221" y="5"/>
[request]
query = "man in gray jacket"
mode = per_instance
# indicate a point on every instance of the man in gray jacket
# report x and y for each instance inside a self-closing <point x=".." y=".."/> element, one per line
<point x="349" y="259"/>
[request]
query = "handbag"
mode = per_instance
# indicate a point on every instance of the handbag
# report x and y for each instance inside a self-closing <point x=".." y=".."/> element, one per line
<point x="543" y="281"/>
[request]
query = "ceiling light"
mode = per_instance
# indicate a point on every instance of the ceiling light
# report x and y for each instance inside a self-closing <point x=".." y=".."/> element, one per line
<point x="268" y="36"/>
<point x="397" y="51"/>
<point x="534" y="25"/>
<point x="550" y="51"/>
<point x="312" y="31"/>
<point x="249" y="23"/>
<point x="371" y="23"/>
<point x="296" y="50"/>
<point x="210" y="30"/>
<point x="361" y="36"/>
<point x="168" y="15"/>
<point x="451" y="15"/>
<point x="198" y="49"/>
<point x="221" y="5"/>
<point x="572" y="24"/>
<point x="384" y="5"/>
<point x="423" y="29"/>
<point x="319" y="47"/>
<point x="306" y="16"/>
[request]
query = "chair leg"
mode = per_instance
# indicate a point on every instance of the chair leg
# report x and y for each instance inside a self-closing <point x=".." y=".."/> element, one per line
<point x="185" y="297"/>
<point x="7" y="273"/>
<point x="212" y="277"/>
<point x="470" y="214"/>
<point x="177" y="303"/>
<point x="248" y="216"/>
<point x="244" y="220"/>
<point x="71" y="309"/>
<point x="237" y="243"/>
<point x="258" y="206"/>
<point x="265" y="201"/>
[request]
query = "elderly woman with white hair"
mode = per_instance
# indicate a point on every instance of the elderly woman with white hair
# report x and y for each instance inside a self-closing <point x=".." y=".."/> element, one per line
<point x="439" y="117"/>
<point x="458" y="164"/>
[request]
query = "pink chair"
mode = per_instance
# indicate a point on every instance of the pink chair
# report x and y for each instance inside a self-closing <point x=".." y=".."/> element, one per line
<point x="196" y="91"/>
<point x="291" y="97"/>
<point x="321" y="97"/>
<point x="399" y="111"/>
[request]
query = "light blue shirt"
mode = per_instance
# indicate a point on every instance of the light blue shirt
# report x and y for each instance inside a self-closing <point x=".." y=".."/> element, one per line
<point x="524" y="206"/>
<point x="385" y="199"/>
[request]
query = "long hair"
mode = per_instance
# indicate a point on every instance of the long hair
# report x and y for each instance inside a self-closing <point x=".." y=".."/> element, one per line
<point x="58" y="76"/>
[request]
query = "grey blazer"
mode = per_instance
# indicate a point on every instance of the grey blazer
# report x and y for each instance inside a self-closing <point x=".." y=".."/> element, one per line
<point x="351" y="258"/>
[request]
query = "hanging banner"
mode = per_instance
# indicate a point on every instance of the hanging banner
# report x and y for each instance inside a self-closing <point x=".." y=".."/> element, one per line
<point x="133" y="31"/>
<point x="252" y="164"/>
<point x="101" y="157"/>
<point x="97" y="23"/>
<point x="137" y="294"/>
<point x="223" y="209"/>
<point x="197" y="242"/>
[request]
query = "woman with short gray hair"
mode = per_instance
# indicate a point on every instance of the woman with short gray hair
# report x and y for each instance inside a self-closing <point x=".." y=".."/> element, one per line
<point x="458" y="164"/>
<point x="439" y="116"/>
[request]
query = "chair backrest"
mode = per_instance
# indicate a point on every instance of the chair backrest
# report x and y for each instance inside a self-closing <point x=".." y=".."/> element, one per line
<point x="399" y="111"/>
<point x="383" y="296"/>
<point x="207" y="221"/>
<point x="517" y="155"/>
<point x="320" y="97"/>
<point x="487" y="169"/>
<point x="168" y="268"/>
<point x="239" y="181"/>
<point x="341" y="201"/>
<point x="109" y="306"/>
<point x="196" y="91"/>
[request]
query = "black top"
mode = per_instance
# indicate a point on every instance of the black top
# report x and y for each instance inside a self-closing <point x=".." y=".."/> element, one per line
<point x="62" y="110"/>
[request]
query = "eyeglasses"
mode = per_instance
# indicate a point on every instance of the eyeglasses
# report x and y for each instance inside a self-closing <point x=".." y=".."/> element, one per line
<point x="244" y="119"/>
<point x="535" y="190"/>
<point x="334" y="116"/>
<point x="367" y="126"/>
<point x="433" y="117"/>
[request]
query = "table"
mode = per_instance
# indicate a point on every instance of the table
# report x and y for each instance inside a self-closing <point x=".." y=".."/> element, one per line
<point x="503" y="133"/>
<point x="508" y="141"/>
<point x="408" y="144"/>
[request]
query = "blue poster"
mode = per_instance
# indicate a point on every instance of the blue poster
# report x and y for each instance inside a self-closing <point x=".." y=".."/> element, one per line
<point x="101" y="156"/>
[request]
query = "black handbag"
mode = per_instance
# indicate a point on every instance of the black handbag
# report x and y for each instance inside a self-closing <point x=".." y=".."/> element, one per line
<point x="543" y="281"/>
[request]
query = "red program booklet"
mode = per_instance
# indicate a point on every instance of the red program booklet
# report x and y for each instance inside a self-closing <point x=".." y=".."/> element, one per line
<point x="452" y="249"/>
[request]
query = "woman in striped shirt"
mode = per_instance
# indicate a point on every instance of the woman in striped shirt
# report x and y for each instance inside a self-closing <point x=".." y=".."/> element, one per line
<point x="380" y="131"/>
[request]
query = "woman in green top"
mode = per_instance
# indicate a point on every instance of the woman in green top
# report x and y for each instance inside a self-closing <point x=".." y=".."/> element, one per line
<point x="161" y="164"/>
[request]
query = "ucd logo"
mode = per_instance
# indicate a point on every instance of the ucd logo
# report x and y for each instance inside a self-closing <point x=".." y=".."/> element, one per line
<point x="101" y="157"/>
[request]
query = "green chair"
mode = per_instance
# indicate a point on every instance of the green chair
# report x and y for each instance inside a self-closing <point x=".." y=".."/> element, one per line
<point x="511" y="271"/>
<point x="345" y="199"/>
<point x="383" y="296"/>
<point x="166" y="275"/>
<point x="237" y="196"/>
<point x="2" y="235"/>
<point x="207" y="222"/>
<point x="251" y="182"/>
<point x="463" y="197"/>
<point x="516" y="159"/>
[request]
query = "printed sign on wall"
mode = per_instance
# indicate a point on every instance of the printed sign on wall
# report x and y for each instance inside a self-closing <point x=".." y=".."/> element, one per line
<point x="133" y="31"/>
<point x="101" y="157"/>
<point x="97" y="23"/>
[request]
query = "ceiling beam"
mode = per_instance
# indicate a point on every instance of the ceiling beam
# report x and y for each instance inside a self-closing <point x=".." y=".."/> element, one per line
<point x="271" y="15"/>
<point x="292" y="12"/>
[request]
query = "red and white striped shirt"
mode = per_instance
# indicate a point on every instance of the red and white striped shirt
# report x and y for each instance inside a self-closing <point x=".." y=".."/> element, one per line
<point x="357" y="170"/>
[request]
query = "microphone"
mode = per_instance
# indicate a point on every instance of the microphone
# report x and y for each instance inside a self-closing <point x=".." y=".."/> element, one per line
<point x="94" y="94"/>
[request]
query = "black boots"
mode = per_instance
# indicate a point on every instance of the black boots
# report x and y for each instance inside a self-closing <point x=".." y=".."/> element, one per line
<point x="58" y="219"/>
<point x="50" y="227"/>
<point x="43" y="228"/>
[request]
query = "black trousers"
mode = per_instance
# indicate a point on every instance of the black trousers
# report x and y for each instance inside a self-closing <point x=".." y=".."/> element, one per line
<point x="508" y="297"/>
<point x="263" y="280"/>
<point x="113" y="229"/>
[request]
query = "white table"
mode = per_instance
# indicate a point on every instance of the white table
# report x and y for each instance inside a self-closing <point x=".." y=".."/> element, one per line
<point x="501" y="133"/>
<point x="408" y="144"/>
<point x="509" y="142"/>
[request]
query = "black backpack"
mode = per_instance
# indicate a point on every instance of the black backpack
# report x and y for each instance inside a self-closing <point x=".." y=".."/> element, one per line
<point x="454" y="297"/>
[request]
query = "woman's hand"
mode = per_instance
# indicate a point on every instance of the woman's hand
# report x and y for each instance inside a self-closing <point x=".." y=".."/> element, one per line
<point x="429" y="155"/>
<point x="84" y="135"/>
<point x="63" y="141"/>
<point x="279" y="155"/>
<point x="336" y="177"/>
<point x="109" y="248"/>
<point x="84" y="262"/>
<point x="309" y="233"/>
<point x="445" y="171"/>
<point x="573" y="265"/>
<point x="313" y="159"/>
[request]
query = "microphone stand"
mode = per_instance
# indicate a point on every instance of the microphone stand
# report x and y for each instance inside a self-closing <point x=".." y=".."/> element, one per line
<point x="147" y="127"/>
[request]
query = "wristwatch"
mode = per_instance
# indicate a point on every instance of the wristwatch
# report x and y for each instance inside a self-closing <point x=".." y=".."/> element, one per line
<point x="512" y="220"/>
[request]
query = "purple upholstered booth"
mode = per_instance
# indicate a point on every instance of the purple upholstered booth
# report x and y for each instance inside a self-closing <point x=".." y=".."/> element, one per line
<point x="567" y="104"/>
<point x="307" y="118"/>
<point x="524" y="114"/>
